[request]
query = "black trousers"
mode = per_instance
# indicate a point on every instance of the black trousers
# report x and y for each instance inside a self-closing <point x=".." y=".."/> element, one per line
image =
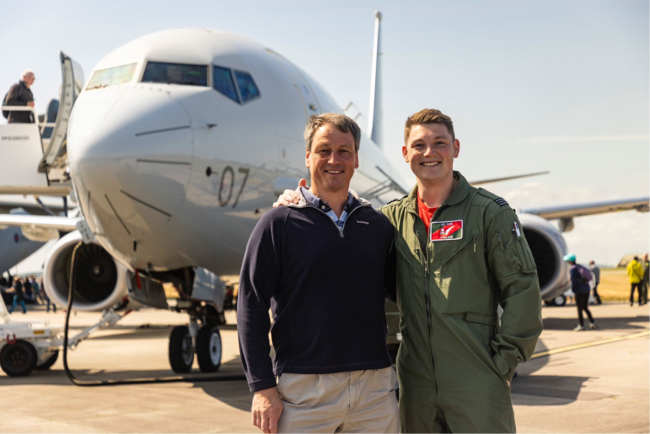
<point x="639" y="290"/>
<point x="596" y="296"/>
<point x="582" y="301"/>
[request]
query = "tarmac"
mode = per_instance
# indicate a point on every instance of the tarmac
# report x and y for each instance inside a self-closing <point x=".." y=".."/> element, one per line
<point x="591" y="381"/>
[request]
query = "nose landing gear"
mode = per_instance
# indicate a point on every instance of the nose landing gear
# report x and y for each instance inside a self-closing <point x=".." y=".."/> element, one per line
<point x="185" y="341"/>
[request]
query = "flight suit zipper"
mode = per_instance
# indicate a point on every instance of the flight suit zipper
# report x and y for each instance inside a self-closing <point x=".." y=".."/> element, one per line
<point x="427" y="301"/>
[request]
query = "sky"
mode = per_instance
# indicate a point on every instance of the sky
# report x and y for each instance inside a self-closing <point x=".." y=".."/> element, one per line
<point x="559" y="86"/>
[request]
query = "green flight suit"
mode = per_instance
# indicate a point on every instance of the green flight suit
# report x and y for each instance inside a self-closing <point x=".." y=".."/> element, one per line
<point x="454" y="357"/>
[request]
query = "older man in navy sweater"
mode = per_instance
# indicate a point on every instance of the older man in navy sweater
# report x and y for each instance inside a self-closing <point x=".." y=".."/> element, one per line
<point x="323" y="267"/>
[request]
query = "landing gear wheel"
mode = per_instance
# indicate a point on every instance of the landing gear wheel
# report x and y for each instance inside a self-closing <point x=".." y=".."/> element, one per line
<point x="208" y="348"/>
<point x="560" y="300"/>
<point x="47" y="364"/>
<point x="181" y="353"/>
<point x="19" y="359"/>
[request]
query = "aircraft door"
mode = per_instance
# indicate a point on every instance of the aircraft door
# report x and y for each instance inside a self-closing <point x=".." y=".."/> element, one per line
<point x="55" y="157"/>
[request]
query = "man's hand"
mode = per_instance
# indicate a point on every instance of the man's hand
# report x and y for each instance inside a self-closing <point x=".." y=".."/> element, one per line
<point x="30" y="103"/>
<point x="290" y="197"/>
<point x="267" y="408"/>
<point x="508" y="383"/>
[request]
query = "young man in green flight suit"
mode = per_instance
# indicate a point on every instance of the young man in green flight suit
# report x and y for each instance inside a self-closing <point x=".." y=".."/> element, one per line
<point x="461" y="253"/>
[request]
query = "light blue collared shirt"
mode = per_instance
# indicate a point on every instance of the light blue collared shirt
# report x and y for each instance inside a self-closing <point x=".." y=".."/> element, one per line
<point x="317" y="202"/>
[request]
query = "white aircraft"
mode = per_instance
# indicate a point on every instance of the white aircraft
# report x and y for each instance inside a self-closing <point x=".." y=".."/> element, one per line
<point x="14" y="247"/>
<point x="179" y="142"/>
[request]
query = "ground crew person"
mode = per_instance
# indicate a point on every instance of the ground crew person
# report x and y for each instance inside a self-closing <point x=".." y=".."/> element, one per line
<point x="460" y="253"/>
<point x="646" y="278"/>
<point x="595" y="270"/>
<point x="635" y="273"/>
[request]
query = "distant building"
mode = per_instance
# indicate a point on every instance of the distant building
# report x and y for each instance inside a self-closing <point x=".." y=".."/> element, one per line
<point x="628" y="258"/>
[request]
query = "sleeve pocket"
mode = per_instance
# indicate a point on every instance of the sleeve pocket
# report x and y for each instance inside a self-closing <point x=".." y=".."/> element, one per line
<point x="526" y="256"/>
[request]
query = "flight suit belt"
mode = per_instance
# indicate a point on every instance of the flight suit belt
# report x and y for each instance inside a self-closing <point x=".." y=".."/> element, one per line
<point x="475" y="317"/>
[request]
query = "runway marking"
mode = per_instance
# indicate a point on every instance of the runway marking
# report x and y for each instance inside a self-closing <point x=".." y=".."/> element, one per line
<point x="590" y="344"/>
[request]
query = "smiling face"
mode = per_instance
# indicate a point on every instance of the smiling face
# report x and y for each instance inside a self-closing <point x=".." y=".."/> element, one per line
<point x="332" y="160"/>
<point x="430" y="151"/>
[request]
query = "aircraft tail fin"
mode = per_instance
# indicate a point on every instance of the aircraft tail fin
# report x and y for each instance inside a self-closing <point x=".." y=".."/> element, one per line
<point x="374" y="112"/>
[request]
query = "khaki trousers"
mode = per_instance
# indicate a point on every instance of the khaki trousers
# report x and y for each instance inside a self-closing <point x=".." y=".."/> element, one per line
<point x="354" y="402"/>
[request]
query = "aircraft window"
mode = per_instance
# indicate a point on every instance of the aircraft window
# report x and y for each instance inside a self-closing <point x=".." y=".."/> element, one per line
<point x="247" y="87"/>
<point x="176" y="73"/>
<point x="224" y="83"/>
<point x="111" y="76"/>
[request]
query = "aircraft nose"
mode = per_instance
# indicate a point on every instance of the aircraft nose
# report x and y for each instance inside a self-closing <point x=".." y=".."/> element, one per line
<point x="130" y="157"/>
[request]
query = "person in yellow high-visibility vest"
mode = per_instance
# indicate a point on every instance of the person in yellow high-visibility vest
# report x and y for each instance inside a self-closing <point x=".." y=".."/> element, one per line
<point x="635" y="272"/>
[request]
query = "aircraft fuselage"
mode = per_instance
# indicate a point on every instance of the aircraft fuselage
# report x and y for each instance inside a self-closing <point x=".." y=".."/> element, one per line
<point x="173" y="175"/>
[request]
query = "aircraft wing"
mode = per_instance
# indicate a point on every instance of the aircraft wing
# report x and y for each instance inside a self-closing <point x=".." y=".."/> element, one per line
<point x="31" y="207"/>
<point x="44" y="190"/>
<point x="507" y="178"/>
<point x="590" y="208"/>
<point x="65" y="224"/>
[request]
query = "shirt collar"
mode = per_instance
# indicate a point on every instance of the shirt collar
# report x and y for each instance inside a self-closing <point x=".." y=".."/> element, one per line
<point x="457" y="196"/>
<point x="317" y="202"/>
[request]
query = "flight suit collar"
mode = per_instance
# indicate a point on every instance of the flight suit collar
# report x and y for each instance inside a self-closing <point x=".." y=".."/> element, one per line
<point x="457" y="196"/>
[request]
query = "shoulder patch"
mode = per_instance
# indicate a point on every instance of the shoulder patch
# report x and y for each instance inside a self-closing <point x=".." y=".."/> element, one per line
<point x="498" y="200"/>
<point x="501" y="201"/>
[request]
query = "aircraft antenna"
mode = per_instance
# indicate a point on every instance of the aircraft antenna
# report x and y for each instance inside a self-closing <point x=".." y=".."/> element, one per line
<point x="375" y="114"/>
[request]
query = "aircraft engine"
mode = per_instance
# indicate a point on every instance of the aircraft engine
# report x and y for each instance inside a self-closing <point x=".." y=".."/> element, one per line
<point x="548" y="248"/>
<point x="100" y="281"/>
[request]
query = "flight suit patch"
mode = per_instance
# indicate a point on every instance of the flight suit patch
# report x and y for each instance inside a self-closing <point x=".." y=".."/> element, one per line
<point x="501" y="201"/>
<point x="446" y="230"/>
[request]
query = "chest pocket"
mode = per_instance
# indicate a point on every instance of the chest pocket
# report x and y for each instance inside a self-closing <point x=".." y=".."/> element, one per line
<point x="458" y="263"/>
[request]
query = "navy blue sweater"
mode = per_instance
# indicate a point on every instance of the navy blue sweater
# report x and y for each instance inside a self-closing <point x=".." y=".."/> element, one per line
<point x="325" y="288"/>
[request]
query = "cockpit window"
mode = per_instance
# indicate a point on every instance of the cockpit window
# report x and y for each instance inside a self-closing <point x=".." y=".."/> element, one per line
<point x="247" y="87"/>
<point x="176" y="73"/>
<point x="112" y="76"/>
<point x="224" y="83"/>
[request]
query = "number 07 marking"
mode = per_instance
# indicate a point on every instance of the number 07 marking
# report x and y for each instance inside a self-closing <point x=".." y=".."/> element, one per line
<point x="241" y="189"/>
<point x="228" y="171"/>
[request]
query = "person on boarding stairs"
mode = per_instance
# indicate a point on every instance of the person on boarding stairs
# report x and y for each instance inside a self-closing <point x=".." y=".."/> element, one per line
<point x="20" y="95"/>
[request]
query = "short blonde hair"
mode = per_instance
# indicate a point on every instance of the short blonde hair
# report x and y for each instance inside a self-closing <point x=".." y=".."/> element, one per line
<point x="337" y="120"/>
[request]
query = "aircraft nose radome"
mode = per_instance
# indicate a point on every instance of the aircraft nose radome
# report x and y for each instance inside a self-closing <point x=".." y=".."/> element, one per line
<point x="132" y="152"/>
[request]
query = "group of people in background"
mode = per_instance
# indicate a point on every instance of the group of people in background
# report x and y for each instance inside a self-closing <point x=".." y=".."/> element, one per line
<point x="581" y="279"/>
<point x="22" y="289"/>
